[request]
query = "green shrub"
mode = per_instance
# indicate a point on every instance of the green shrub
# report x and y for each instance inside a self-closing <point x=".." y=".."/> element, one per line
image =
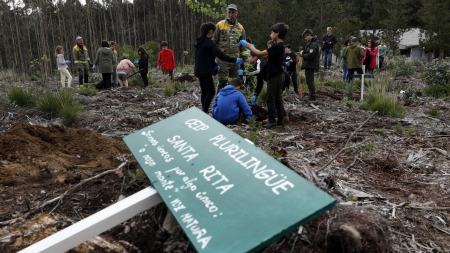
<point x="399" y="66"/>
<point x="169" y="90"/>
<point x="69" y="114"/>
<point x="22" y="97"/>
<point x="437" y="72"/>
<point x="398" y="129"/>
<point x="262" y="97"/>
<point x="434" y="111"/>
<point x="50" y="104"/>
<point x="60" y="105"/>
<point x="384" y="104"/>
<point x="87" y="90"/>
<point x="438" y="90"/>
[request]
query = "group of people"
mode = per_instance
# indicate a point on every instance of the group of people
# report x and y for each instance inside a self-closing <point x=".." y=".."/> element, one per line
<point x="355" y="56"/>
<point x="106" y="62"/>
<point x="222" y="48"/>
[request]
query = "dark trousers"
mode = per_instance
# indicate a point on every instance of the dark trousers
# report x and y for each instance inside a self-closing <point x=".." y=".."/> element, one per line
<point x="208" y="90"/>
<point x="168" y="72"/>
<point x="309" y="74"/>
<point x="293" y="75"/>
<point x="144" y="78"/>
<point x="106" y="80"/>
<point x="380" y="61"/>
<point x="351" y="72"/>
<point x="274" y="90"/>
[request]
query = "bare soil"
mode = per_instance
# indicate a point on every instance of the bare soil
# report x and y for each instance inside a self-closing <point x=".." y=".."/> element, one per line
<point x="392" y="188"/>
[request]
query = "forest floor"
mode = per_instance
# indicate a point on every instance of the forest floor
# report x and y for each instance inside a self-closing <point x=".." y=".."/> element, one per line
<point x="392" y="187"/>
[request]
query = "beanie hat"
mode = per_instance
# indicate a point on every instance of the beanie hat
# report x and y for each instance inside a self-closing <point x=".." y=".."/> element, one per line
<point x="307" y="32"/>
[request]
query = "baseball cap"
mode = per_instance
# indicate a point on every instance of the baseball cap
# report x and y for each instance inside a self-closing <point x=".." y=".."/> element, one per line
<point x="112" y="43"/>
<point x="232" y="6"/>
<point x="78" y="38"/>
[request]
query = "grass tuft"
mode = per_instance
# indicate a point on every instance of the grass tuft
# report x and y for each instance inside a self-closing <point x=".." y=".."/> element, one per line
<point x="21" y="97"/>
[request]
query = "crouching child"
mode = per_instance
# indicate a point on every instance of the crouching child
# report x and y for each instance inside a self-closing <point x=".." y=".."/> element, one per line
<point x="230" y="103"/>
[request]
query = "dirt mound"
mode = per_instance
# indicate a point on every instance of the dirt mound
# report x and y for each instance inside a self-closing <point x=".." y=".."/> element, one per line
<point x="31" y="153"/>
<point x="349" y="229"/>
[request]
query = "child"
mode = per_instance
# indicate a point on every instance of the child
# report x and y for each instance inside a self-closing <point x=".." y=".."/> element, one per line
<point x="166" y="60"/>
<point x="275" y="73"/>
<point x="260" y="71"/>
<point x="123" y="68"/>
<point x="230" y="104"/>
<point x="62" y="67"/>
<point x="143" y="65"/>
<point x="205" y="53"/>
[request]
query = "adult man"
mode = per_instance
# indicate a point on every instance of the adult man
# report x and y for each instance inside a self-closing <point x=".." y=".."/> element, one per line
<point x="328" y="41"/>
<point x="310" y="63"/>
<point x="230" y="104"/>
<point x="290" y="60"/>
<point x="112" y="45"/>
<point x="81" y="60"/>
<point x="354" y="55"/>
<point x="227" y="36"/>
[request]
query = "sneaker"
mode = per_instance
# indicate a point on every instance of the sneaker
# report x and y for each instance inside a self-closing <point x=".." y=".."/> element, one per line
<point x="267" y="120"/>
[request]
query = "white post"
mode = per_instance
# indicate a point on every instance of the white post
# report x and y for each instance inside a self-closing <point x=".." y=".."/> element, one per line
<point x="97" y="223"/>
<point x="362" y="86"/>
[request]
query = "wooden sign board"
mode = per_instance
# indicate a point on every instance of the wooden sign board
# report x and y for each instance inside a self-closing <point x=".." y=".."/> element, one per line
<point x="226" y="194"/>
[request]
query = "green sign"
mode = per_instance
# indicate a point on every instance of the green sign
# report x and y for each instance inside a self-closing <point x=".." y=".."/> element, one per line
<point x="226" y="194"/>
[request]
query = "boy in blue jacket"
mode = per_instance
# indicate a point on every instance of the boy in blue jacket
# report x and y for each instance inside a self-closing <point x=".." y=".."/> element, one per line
<point x="230" y="103"/>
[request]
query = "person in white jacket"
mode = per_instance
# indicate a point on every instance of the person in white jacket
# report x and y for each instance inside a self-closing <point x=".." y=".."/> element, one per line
<point x="62" y="67"/>
<point x="123" y="69"/>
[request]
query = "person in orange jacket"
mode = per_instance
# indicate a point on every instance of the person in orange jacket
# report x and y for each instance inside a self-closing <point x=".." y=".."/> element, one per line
<point x="166" y="60"/>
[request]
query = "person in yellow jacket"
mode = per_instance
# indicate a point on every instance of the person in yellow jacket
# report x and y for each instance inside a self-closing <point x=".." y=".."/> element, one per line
<point x="228" y="34"/>
<point x="81" y="60"/>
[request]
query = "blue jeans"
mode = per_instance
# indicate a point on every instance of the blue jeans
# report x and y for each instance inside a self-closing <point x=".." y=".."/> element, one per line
<point x="344" y="71"/>
<point x="327" y="56"/>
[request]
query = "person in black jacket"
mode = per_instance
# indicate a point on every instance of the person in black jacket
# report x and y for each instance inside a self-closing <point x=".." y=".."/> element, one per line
<point x="311" y="57"/>
<point x="205" y="66"/>
<point x="143" y="65"/>
<point x="328" y="41"/>
<point x="290" y="59"/>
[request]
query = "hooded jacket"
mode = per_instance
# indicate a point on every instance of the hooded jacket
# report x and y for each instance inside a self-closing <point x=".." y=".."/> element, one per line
<point x="311" y="55"/>
<point x="105" y="60"/>
<point x="354" y="55"/>
<point x="206" y="52"/>
<point x="166" y="60"/>
<point x="228" y="105"/>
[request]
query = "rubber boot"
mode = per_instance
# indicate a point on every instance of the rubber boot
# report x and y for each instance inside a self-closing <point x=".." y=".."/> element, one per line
<point x="86" y="78"/>
<point x="80" y="79"/>
<point x="272" y="122"/>
<point x="222" y="84"/>
<point x="280" y="114"/>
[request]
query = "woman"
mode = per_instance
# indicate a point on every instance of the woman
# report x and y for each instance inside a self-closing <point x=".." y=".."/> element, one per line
<point x="143" y="65"/>
<point x="62" y="67"/>
<point x="370" y="56"/>
<point x="206" y="52"/>
<point x="123" y="69"/>
<point x="105" y="62"/>
<point x="344" y="60"/>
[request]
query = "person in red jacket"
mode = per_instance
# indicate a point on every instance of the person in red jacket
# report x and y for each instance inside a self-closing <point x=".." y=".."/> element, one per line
<point x="370" y="57"/>
<point x="166" y="60"/>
